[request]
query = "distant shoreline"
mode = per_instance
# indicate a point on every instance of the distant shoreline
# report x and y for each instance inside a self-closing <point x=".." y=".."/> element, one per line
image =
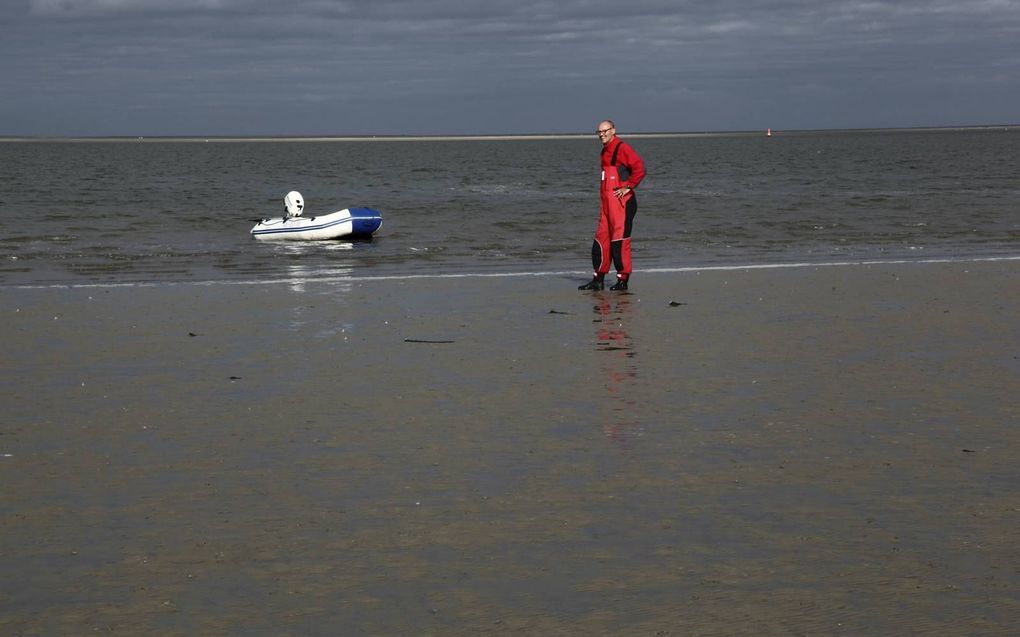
<point x="521" y="137"/>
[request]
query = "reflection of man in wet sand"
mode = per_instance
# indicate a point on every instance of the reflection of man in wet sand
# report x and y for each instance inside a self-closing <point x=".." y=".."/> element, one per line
<point x="622" y="171"/>
<point x="619" y="366"/>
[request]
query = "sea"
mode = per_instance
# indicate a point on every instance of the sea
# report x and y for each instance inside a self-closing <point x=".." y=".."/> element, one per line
<point x="91" y="212"/>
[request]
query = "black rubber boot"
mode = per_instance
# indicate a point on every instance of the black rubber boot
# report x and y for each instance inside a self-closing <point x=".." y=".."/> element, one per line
<point x="597" y="283"/>
<point x="619" y="286"/>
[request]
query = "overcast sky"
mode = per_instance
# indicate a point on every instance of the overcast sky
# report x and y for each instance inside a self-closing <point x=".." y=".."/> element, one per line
<point x="328" y="67"/>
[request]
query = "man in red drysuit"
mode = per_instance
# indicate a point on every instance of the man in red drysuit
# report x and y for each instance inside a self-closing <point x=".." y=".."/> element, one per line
<point x="622" y="171"/>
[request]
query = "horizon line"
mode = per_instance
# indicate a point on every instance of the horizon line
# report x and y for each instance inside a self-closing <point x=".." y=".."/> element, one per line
<point x="493" y="137"/>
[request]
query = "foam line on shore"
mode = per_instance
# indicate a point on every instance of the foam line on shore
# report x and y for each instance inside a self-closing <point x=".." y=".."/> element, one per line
<point x="348" y="278"/>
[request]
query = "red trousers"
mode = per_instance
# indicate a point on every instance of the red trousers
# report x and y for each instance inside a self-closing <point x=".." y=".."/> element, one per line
<point x="612" y="236"/>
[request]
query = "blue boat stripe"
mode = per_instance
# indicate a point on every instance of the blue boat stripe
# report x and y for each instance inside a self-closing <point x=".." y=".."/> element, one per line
<point x="304" y="228"/>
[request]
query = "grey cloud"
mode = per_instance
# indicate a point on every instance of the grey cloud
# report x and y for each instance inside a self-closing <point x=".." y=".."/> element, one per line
<point x="502" y="66"/>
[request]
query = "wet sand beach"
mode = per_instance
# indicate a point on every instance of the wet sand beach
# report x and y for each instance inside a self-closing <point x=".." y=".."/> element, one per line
<point x="802" y="451"/>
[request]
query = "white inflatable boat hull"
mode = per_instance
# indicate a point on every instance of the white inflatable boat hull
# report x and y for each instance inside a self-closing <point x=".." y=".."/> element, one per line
<point x="349" y="222"/>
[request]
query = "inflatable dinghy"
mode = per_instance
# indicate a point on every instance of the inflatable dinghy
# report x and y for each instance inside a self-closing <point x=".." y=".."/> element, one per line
<point x="349" y="222"/>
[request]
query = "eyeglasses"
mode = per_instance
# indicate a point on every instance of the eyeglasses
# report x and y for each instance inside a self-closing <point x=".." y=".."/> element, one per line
<point x="603" y="131"/>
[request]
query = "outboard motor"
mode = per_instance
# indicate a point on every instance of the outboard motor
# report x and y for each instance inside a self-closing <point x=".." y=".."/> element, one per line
<point x="295" y="204"/>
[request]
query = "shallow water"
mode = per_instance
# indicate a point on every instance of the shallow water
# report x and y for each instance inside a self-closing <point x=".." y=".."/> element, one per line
<point x="141" y="212"/>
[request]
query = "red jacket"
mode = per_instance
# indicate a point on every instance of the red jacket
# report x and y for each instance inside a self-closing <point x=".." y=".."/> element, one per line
<point x="627" y="157"/>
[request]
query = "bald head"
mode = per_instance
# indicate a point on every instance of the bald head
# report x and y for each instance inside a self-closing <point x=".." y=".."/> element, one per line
<point x="606" y="131"/>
